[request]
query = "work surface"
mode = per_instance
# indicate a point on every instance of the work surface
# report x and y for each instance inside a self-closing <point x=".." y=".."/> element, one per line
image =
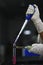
<point x="29" y="60"/>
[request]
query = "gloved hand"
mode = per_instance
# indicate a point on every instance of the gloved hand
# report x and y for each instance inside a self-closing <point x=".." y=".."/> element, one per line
<point x="33" y="9"/>
<point x="37" y="48"/>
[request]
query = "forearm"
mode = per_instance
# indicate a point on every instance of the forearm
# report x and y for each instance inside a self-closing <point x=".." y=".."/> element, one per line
<point x="41" y="35"/>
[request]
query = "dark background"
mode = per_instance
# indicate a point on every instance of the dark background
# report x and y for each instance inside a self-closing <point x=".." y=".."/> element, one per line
<point x="12" y="16"/>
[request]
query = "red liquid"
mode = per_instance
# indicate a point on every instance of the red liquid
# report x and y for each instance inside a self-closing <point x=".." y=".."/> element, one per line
<point x="14" y="60"/>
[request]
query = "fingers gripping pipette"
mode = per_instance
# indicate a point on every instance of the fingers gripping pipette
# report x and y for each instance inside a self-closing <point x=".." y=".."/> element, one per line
<point x="28" y="17"/>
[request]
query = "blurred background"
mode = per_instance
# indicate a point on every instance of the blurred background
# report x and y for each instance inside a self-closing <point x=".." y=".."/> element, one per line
<point x="12" y="17"/>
